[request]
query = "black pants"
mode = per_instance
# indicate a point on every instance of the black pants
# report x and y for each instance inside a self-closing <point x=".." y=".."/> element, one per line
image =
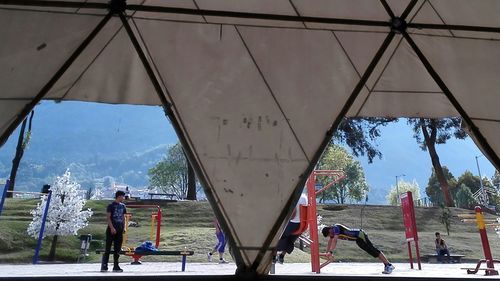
<point x="367" y="245"/>
<point x="116" y="240"/>
<point x="287" y="239"/>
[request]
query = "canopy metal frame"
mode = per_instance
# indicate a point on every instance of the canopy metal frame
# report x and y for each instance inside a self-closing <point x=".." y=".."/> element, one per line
<point x="396" y="25"/>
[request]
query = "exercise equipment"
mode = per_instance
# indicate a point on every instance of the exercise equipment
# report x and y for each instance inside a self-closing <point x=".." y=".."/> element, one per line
<point x="410" y="226"/>
<point x="154" y="235"/>
<point x="488" y="257"/>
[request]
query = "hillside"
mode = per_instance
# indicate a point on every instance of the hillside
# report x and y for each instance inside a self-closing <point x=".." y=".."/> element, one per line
<point x="122" y="142"/>
<point x="189" y="224"/>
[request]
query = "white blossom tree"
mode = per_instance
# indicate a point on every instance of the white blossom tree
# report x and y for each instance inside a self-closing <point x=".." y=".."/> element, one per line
<point x="65" y="215"/>
<point x="97" y="194"/>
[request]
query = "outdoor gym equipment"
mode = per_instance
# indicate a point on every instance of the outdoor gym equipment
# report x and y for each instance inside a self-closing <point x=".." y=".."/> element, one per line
<point x="308" y="217"/>
<point x="488" y="257"/>
<point x="44" y="216"/>
<point x="410" y="226"/>
<point x="130" y="250"/>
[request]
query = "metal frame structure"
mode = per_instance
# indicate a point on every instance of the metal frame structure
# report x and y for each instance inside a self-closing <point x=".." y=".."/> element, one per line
<point x="410" y="223"/>
<point x="396" y="25"/>
<point x="155" y="217"/>
<point x="312" y="213"/>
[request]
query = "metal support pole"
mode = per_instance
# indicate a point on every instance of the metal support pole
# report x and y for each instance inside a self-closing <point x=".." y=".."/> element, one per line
<point x="183" y="263"/>
<point x="417" y="250"/>
<point x="410" y="255"/>
<point x="158" y="228"/>
<point x="42" y="229"/>
<point x="484" y="237"/>
<point x="484" y="196"/>
<point x="313" y="223"/>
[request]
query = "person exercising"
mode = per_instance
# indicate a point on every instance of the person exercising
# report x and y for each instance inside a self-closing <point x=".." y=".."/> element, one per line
<point x="339" y="231"/>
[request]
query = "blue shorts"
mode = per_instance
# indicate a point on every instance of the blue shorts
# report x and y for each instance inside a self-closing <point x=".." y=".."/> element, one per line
<point x="221" y="243"/>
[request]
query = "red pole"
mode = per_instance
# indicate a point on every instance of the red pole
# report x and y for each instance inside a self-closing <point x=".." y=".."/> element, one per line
<point x="313" y="223"/>
<point x="484" y="237"/>
<point x="418" y="254"/>
<point x="409" y="254"/>
<point x="158" y="228"/>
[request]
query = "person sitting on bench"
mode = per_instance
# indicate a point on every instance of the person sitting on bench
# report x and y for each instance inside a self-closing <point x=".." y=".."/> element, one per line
<point x="441" y="248"/>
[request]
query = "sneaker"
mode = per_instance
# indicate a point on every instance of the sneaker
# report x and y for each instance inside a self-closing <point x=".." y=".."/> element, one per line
<point x="209" y="257"/>
<point x="117" y="269"/>
<point x="104" y="269"/>
<point x="388" y="269"/>
<point x="281" y="259"/>
<point x="221" y="261"/>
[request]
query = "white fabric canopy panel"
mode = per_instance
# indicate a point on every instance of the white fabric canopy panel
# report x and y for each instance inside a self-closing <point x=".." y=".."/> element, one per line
<point x="255" y="88"/>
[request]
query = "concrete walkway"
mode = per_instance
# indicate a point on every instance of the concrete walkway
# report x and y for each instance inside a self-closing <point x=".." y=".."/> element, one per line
<point x="353" y="271"/>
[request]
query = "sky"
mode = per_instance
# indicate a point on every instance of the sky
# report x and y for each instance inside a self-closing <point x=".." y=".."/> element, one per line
<point x="402" y="155"/>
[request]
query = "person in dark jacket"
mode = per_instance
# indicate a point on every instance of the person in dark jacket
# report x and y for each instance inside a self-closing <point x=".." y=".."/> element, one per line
<point x="115" y="216"/>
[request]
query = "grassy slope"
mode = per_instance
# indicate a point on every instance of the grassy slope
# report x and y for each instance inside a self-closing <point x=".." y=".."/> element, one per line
<point x="189" y="224"/>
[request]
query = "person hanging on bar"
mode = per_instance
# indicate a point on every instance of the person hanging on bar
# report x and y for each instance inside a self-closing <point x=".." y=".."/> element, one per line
<point x="115" y="216"/>
<point x="339" y="231"/>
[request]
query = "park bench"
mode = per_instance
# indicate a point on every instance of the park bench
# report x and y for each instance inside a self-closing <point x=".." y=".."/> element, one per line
<point x="137" y="255"/>
<point x="169" y="195"/>
<point x="454" y="258"/>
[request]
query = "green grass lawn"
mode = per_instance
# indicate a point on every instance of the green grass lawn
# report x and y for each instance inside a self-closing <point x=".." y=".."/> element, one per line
<point x="189" y="225"/>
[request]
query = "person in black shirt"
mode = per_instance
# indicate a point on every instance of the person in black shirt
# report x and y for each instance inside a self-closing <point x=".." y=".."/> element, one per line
<point x="115" y="215"/>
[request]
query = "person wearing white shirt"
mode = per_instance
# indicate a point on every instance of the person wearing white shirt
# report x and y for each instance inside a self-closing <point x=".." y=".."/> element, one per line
<point x="288" y="238"/>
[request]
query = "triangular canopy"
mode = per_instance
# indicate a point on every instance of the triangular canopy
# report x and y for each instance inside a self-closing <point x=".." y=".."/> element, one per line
<point x="256" y="88"/>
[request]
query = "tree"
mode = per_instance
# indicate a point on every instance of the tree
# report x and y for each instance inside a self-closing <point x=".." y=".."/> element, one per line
<point x="359" y="133"/>
<point x="437" y="131"/>
<point x="402" y="187"/>
<point x="464" y="198"/>
<point x="495" y="180"/>
<point x="433" y="189"/>
<point x="65" y="216"/>
<point x="473" y="183"/>
<point x="353" y="186"/>
<point x="174" y="175"/>
<point x="445" y="218"/>
<point x="22" y="143"/>
<point x="97" y="194"/>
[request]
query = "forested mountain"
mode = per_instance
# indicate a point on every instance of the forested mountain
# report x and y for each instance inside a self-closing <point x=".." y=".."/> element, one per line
<point x="104" y="143"/>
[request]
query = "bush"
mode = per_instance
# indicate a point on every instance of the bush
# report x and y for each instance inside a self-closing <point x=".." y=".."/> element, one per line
<point x="335" y="207"/>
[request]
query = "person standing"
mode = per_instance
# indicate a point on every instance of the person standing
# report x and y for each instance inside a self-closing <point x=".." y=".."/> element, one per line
<point x="339" y="231"/>
<point x="115" y="216"/>
<point x="221" y="244"/>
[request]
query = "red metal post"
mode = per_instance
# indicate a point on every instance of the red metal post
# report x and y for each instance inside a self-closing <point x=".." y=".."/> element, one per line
<point x="158" y="228"/>
<point x="409" y="254"/>
<point x="417" y="249"/>
<point x="313" y="223"/>
<point x="484" y="237"/>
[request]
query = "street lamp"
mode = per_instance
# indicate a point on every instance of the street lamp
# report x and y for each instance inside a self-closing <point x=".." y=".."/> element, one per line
<point x="484" y="197"/>
<point x="397" y="188"/>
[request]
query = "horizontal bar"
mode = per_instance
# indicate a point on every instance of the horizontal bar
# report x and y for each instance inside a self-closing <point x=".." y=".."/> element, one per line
<point x="56" y="4"/>
<point x="229" y="14"/>
<point x="454" y="27"/>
